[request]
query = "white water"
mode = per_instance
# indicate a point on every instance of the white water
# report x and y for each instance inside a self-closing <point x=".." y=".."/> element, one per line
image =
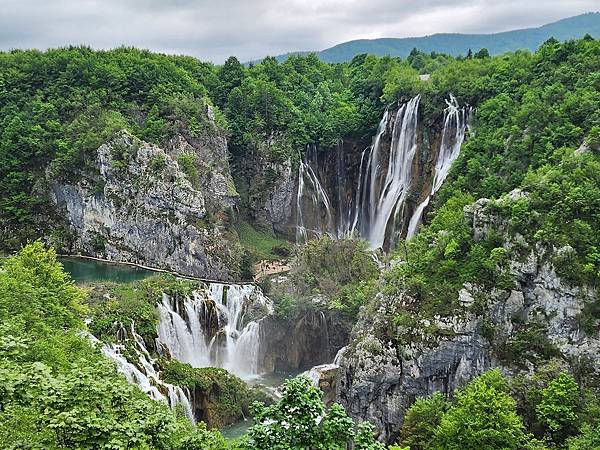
<point x="376" y="206"/>
<point x="311" y="191"/>
<point x="456" y="123"/>
<point x="187" y="335"/>
<point x="387" y="201"/>
<point x="145" y="376"/>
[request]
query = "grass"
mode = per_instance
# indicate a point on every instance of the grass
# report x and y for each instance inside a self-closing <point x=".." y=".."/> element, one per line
<point x="260" y="243"/>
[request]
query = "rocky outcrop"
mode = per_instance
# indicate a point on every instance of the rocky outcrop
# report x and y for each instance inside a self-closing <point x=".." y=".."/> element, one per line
<point x="538" y="319"/>
<point x="142" y="207"/>
<point x="268" y="188"/>
<point x="300" y="342"/>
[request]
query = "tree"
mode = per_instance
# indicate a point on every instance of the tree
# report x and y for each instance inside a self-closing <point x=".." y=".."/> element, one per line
<point x="299" y="420"/>
<point x="421" y="421"/>
<point x="483" y="417"/>
<point x="483" y="53"/>
<point x="231" y="75"/>
<point x="558" y="406"/>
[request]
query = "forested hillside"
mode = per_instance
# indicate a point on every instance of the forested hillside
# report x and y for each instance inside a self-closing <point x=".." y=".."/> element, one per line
<point x="459" y="44"/>
<point x="481" y="332"/>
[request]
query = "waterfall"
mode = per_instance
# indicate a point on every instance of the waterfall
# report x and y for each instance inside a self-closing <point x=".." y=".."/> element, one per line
<point x="360" y="193"/>
<point x="386" y="199"/>
<point x="310" y="190"/>
<point x="456" y="123"/>
<point x="208" y="329"/>
<point x="376" y="206"/>
<point x="145" y="375"/>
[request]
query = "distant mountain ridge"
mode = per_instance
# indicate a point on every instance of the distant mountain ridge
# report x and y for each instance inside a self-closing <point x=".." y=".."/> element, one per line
<point x="457" y="43"/>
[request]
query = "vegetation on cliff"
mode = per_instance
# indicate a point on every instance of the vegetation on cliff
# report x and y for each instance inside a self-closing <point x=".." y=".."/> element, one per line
<point x="328" y="274"/>
<point x="118" y="305"/>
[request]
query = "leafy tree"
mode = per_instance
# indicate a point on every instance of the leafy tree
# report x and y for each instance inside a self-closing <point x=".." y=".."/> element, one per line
<point x="422" y="420"/>
<point x="483" y="53"/>
<point x="299" y="420"/>
<point x="482" y="417"/>
<point x="557" y="409"/>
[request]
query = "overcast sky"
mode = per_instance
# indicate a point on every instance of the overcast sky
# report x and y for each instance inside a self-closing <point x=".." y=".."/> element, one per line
<point x="251" y="29"/>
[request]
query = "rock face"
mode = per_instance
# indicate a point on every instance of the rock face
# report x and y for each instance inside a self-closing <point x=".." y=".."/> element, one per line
<point x="270" y="191"/>
<point x="300" y="342"/>
<point x="378" y="380"/>
<point x="142" y="207"/>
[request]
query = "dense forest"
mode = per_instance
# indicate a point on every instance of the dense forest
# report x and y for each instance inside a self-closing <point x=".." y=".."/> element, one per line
<point x="534" y="153"/>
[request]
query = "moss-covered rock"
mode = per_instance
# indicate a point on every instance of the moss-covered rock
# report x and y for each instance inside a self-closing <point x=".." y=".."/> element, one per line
<point x="219" y="397"/>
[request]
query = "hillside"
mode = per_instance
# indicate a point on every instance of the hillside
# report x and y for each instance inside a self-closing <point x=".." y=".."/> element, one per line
<point x="458" y="44"/>
<point x="443" y="285"/>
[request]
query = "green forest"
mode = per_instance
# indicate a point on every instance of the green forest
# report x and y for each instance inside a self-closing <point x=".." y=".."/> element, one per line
<point x="536" y="130"/>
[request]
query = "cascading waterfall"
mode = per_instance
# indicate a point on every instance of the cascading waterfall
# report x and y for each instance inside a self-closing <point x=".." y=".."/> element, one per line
<point x="456" y="123"/>
<point x="145" y="375"/>
<point x="208" y="329"/>
<point x="385" y="199"/>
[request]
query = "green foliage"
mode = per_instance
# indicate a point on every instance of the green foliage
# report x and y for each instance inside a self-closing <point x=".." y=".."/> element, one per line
<point x="262" y="245"/>
<point x="56" y="391"/>
<point x="589" y="439"/>
<point x="442" y="257"/>
<point x="343" y="271"/>
<point x="116" y="305"/>
<point x="188" y="163"/>
<point x="557" y="409"/>
<point x="483" y="416"/>
<point x="43" y="124"/>
<point x="299" y="420"/>
<point x="421" y="422"/>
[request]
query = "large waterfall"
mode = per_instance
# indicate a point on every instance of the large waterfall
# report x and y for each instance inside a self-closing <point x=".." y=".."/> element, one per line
<point x="213" y="327"/>
<point x="386" y="197"/>
<point x="456" y="122"/>
<point x="374" y="197"/>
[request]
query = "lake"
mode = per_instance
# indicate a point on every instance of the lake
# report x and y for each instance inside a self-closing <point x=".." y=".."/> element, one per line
<point x="84" y="271"/>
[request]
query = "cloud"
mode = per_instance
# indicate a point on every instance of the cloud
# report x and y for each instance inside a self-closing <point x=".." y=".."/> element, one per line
<point x="250" y="29"/>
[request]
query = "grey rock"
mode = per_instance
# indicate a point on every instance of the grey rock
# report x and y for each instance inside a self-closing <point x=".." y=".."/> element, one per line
<point x="378" y="381"/>
<point x="141" y="208"/>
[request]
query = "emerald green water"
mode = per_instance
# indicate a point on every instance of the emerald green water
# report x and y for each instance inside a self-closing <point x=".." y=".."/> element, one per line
<point x="89" y="271"/>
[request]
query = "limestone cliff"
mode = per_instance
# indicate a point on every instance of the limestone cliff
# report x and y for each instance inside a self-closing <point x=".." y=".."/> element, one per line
<point x="540" y="318"/>
<point x="166" y="208"/>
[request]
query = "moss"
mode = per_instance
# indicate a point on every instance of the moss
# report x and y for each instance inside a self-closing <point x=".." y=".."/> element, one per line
<point x="188" y="163"/>
<point x="220" y="397"/>
<point x="261" y="244"/>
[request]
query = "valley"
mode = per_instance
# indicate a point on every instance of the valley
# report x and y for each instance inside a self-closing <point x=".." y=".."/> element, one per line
<point x="298" y="254"/>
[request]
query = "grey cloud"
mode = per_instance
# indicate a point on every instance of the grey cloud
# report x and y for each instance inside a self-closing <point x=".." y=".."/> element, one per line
<point x="251" y="29"/>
